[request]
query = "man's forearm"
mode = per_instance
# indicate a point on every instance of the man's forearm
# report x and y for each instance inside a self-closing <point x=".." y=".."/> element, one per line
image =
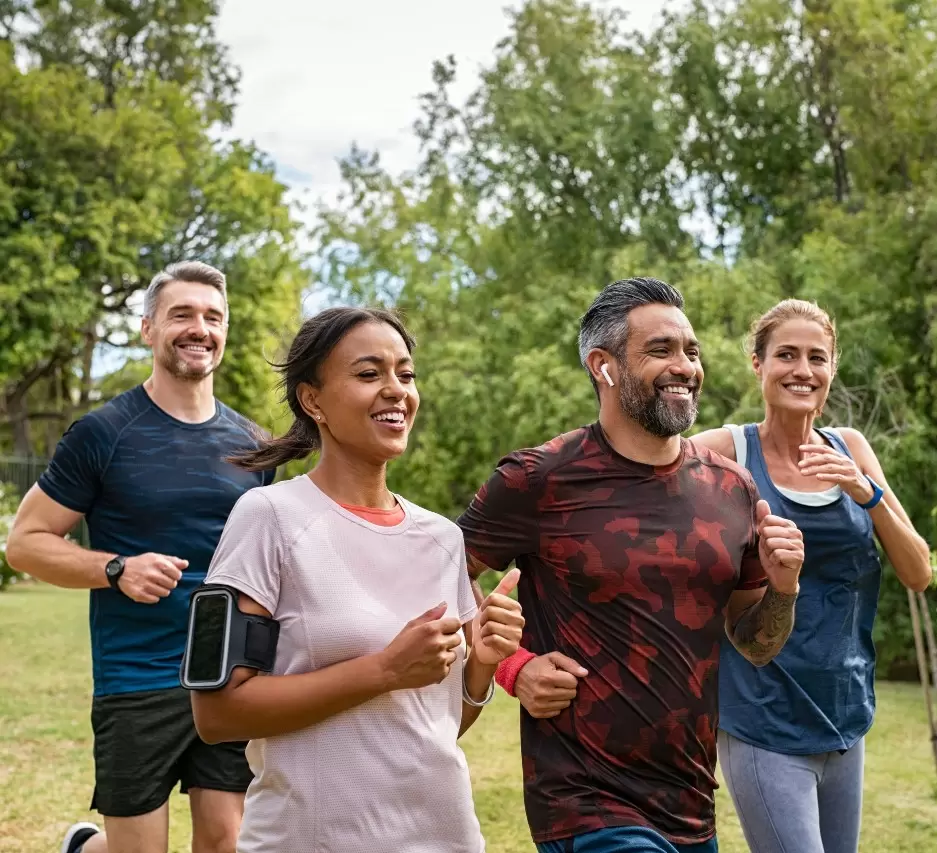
<point x="761" y="631"/>
<point x="50" y="558"/>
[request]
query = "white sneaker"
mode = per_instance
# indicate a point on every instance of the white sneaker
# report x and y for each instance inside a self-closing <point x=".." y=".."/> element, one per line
<point x="78" y="834"/>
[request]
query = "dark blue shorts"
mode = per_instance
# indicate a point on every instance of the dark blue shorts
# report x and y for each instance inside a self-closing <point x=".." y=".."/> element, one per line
<point x="624" y="839"/>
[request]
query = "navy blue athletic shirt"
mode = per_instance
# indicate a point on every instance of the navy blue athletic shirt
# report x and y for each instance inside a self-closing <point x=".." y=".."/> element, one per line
<point x="146" y="481"/>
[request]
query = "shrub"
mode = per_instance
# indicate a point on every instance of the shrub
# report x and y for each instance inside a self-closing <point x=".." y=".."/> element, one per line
<point x="9" y="501"/>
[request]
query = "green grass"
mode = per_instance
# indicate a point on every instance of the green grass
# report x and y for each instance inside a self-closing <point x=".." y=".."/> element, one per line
<point x="46" y="771"/>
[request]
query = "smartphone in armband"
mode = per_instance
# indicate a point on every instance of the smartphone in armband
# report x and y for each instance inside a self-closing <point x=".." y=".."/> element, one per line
<point x="221" y="636"/>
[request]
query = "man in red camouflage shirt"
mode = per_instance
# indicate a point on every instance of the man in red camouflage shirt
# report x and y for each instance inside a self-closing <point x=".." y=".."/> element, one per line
<point x="638" y="553"/>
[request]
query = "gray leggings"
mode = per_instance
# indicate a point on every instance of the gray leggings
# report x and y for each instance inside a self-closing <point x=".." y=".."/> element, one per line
<point x="795" y="803"/>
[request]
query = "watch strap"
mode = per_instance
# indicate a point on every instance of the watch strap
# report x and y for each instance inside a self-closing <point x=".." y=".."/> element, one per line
<point x="113" y="578"/>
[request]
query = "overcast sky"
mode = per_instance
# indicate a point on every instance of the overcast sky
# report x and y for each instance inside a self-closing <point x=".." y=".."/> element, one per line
<point x="318" y="75"/>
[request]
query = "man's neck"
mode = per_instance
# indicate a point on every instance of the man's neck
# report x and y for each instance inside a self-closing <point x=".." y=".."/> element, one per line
<point x="190" y="402"/>
<point x="631" y="440"/>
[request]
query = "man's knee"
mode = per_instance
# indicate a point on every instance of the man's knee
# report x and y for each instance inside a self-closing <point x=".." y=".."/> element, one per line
<point x="214" y="837"/>
<point x="216" y="820"/>
<point x="144" y="833"/>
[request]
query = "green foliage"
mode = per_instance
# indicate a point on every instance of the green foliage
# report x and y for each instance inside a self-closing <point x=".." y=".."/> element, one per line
<point x="60" y="217"/>
<point x="125" y="44"/>
<point x="9" y="501"/>
<point x="110" y="168"/>
<point x="586" y="153"/>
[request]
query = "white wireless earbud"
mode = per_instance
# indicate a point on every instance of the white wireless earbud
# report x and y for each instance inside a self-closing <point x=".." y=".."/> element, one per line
<point x="604" y="371"/>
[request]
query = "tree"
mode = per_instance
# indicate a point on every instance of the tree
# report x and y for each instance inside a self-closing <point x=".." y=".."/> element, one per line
<point x="515" y="213"/>
<point x="81" y="191"/>
<point x="124" y="44"/>
<point x="110" y="171"/>
<point x="589" y="153"/>
<point x="805" y="140"/>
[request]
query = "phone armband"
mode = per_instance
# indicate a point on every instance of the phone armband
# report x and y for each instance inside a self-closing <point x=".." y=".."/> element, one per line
<point x="221" y="636"/>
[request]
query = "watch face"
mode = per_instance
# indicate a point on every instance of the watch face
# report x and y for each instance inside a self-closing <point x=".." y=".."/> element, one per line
<point x="114" y="566"/>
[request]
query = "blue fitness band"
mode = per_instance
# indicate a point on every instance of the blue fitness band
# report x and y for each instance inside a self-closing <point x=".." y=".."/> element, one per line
<point x="877" y="492"/>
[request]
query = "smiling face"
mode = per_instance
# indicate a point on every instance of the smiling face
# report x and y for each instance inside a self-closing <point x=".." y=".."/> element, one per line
<point x="797" y="368"/>
<point x="659" y="374"/>
<point x="367" y="398"/>
<point x="188" y="330"/>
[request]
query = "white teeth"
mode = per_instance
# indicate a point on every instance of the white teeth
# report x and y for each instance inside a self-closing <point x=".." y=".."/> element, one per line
<point x="394" y="417"/>
<point x="677" y="389"/>
<point x="802" y="389"/>
<point x="193" y="348"/>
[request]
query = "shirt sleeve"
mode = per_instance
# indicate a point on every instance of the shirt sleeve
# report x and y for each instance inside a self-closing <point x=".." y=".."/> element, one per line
<point x="502" y="521"/>
<point x="74" y="474"/>
<point x="249" y="555"/>
<point x="752" y="573"/>
<point x="468" y="607"/>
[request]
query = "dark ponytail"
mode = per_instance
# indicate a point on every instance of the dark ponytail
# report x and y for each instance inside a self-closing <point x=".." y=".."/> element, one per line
<point x="301" y="439"/>
<point x="314" y="341"/>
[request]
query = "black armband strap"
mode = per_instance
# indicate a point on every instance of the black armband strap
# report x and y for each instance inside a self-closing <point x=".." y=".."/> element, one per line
<point x="221" y="636"/>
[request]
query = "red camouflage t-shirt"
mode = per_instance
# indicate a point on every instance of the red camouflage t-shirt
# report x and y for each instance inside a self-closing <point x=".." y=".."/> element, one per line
<point x="627" y="569"/>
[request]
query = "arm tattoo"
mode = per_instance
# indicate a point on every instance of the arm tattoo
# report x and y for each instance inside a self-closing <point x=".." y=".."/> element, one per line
<point x="762" y="630"/>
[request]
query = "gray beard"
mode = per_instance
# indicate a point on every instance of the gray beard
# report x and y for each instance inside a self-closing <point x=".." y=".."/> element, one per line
<point x="652" y="411"/>
<point x="179" y="369"/>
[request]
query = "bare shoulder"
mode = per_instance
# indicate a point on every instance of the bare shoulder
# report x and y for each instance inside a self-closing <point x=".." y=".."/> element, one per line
<point x="857" y="443"/>
<point x="719" y="439"/>
<point x="863" y="454"/>
<point x="853" y="437"/>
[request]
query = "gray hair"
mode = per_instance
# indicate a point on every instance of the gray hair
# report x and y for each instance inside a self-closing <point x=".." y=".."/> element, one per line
<point x="605" y="324"/>
<point x="194" y="271"/>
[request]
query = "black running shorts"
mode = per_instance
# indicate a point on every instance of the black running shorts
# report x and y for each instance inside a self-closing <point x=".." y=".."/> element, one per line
<point x="146" y="743"/>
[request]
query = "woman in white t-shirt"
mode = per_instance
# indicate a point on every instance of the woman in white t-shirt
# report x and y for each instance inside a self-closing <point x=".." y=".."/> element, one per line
<point x="353" y="736"/>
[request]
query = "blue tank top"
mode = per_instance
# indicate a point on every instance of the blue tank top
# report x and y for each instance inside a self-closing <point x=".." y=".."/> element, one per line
<point x="818" y="693"/>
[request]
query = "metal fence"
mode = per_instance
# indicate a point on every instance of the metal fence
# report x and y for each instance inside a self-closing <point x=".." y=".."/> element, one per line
<point x="21" y="472"/>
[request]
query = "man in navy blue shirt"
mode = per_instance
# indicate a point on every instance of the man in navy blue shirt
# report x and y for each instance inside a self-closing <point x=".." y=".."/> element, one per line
<point x="147" y="471"/>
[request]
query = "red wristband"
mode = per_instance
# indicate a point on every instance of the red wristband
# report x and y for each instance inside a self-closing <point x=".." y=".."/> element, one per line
<point x="508" y="669"/>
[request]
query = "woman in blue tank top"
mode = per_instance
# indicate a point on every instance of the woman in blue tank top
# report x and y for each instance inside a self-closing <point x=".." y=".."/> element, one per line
<point x="791" y="733"/>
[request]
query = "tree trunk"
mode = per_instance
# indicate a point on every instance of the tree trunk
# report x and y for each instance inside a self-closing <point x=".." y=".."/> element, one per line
<point x="55" y="426"/>
<point x="87" y="361"/>
<point x="68" y="402"/>
<point x="19" y="422"/>
<point x="16" y="403"/>
<point x="829" y="118"/>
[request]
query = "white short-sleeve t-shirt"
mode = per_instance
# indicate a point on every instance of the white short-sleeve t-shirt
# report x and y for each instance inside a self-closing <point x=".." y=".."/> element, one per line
<point x="388" y="774"/>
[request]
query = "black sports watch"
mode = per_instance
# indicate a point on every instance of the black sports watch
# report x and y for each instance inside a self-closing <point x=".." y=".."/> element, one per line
<point x="114" y="569"/>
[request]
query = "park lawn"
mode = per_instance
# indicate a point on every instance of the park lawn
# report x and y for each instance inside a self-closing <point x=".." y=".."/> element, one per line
<point x="46" y="771"/>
